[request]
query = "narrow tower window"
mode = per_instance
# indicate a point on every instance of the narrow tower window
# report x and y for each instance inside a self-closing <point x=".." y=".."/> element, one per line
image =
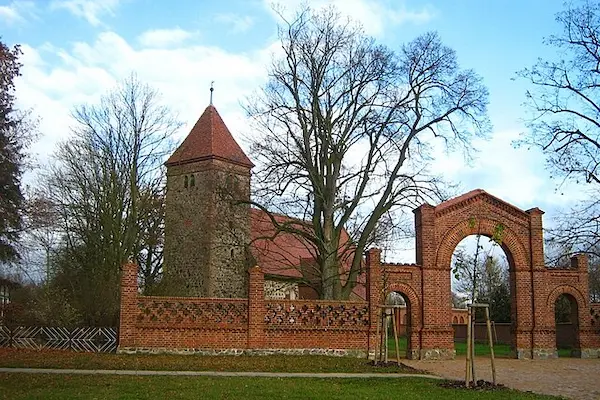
<point x="185" y="181"/>
<point x="192" y="180"/>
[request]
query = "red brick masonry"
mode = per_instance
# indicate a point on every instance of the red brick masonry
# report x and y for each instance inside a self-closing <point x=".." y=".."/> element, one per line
<point x="205" y="325"/>
<point x="182" y="323"/>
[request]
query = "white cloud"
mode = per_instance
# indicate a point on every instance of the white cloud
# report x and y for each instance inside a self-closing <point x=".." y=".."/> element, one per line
<point x="238" y="23"/>
<point x="374" y="15"/>
<point x="90" y="10"/>
<point x="17" y="12"/>
<point x="164" y="37"/>
<point x="86" y="70"/>
<point x="404" y="15"/>
<point x="516" y="175"/>
<point x="9" y="14"/>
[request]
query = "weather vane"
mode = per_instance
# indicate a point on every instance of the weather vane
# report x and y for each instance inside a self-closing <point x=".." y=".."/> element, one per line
<point x="212" y="89"/>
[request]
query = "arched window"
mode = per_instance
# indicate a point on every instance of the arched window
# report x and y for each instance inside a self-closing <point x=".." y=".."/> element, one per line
<point x="462" y="320"/>
<point x="455" y="320"/>
<point x="192" y="180"/>
<point x="185" y="181"/>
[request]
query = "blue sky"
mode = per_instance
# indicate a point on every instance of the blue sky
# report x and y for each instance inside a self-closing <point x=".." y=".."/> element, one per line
<point x="76" y="50"/>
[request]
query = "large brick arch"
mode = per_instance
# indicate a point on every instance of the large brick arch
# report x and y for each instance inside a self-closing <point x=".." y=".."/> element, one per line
<point x="440" y="229"/>
<point x="516" y="249"/>
<point x="512" y="244"/>
<point x="534" y="287"/>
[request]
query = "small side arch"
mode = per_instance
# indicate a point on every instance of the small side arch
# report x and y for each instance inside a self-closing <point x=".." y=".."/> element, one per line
<point x="565" y="289"/>
<point x="413" y="299"/>
<point x="577" y="296"/>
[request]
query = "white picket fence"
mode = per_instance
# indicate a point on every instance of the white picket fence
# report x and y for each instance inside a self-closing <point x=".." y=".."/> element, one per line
<point x="86" y="339"/>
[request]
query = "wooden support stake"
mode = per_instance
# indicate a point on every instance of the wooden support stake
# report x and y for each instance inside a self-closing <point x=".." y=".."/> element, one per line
<point x="489" y="330"/>
<point x="468" y="363"/>
<point x="473" y="322"/>
<point x="386" y="336"/>
<point x="378" y="348"/>
<point x="394" y="321"/>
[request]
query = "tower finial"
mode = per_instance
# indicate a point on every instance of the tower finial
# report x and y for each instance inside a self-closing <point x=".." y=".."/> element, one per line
<point x="212" y="89"/>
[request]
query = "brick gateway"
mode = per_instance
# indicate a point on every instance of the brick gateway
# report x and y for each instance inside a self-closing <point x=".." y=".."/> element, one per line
<point x="258" y="325"/>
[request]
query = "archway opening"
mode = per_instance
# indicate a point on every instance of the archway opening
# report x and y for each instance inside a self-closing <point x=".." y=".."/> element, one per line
<point x="401" y="308"/>
<point x="482" y="272"/>
<point x="566" y="320"/>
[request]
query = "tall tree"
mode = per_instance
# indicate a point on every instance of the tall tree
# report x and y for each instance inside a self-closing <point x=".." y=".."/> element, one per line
<point x="345" y="128"/>
<point x="15" y="135"/>
<point x="107" y="186"/>
<point x="564" y="101"/>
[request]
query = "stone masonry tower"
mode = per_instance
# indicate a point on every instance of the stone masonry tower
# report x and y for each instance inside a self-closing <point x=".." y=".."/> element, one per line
<point x="206" y="226"/>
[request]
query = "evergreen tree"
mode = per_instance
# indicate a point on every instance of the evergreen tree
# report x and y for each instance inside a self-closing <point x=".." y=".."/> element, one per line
<point x="11" y="155"/>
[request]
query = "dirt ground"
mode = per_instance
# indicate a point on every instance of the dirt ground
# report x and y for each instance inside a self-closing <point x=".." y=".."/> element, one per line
<point x="568" y="377"/>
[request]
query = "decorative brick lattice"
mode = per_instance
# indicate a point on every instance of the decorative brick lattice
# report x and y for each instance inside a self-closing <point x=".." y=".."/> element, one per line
<point x="299" y="314"/>
<point x="183" y="312"/>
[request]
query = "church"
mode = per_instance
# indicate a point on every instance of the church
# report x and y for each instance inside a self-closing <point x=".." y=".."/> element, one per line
<point x="213" y="235"/>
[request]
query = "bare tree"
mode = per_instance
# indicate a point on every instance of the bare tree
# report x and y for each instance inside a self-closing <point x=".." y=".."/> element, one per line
<point x="564" y="102"/>
<point x="345" y="129"/>
<point x="106" y="185"/>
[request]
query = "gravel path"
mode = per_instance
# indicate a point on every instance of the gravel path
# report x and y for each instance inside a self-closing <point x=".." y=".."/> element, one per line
<point x="572" y="378"/>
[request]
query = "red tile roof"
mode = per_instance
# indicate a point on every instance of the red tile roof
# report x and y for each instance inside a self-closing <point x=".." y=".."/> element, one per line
<point x="279" y="254"/>
<point x="284" y="253"/>
<point x="209" y="139"/>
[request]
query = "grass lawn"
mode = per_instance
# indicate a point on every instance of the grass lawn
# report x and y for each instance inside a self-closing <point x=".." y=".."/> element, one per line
<point x="565" y="353"/>
<point x="25" y="386"/>
<point x="68" y="359"/>
<point x="481" y="349"/>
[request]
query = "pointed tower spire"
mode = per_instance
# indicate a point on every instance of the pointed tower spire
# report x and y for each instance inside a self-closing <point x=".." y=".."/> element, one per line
<point x="198" y="253"/>
<point x="209" y="139"/>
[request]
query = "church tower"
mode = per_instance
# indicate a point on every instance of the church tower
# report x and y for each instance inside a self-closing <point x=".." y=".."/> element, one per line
<point x="207" y="222"/>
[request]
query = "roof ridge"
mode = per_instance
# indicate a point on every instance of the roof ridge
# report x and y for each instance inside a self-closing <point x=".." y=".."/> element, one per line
<point x="472" y="194"/>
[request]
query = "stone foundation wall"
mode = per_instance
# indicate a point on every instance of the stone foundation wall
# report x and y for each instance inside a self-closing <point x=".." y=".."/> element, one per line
<point x="248" y="352"/>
